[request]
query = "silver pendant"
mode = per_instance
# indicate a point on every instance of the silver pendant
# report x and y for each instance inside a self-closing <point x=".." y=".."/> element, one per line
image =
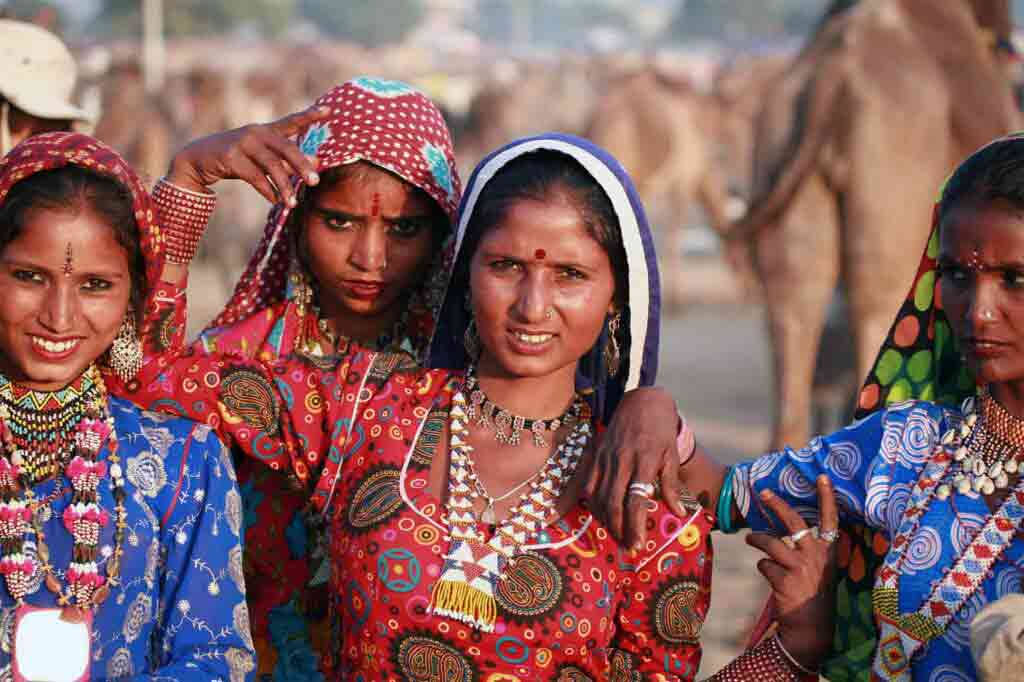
<point x="488" y="516"/>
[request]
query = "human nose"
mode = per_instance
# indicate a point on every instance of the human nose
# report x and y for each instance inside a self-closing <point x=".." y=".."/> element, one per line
<point x="60" y="310"/>
<point x="370" y="252"/>
<point x="534" y="300"/>
<point x="982" y="302"/>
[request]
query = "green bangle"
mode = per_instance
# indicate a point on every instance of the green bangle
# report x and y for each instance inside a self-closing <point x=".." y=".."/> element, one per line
<point x="724" y="508"/>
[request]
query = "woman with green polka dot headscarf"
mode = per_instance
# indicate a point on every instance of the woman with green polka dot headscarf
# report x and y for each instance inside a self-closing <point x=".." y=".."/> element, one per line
<point x="928" y="475"/>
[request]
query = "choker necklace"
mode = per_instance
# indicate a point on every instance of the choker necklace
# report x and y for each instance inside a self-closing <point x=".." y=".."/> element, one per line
<point x="507" y="426"/>
<point x="22" y="515"/>
<point x="988" y="444"/>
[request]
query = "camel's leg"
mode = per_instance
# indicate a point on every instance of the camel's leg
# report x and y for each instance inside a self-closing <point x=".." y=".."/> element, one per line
<point x="798" y="261"/>
<point x="718" y="205"/>
<point x="671" y="227"/>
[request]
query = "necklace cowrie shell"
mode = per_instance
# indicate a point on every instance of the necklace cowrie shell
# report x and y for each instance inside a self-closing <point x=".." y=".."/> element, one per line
<point x="965" y="430"/>
<point x="942" y="492"/>
<point x="948" y="437"/>
<point x="987" y="487"/>
<point x="971" y="420"/>
<point x="995" y="470"/>
<point x="960" y="454"/>
<point x="979" y="483"/>
<point x="979" y="467"/>
<point x="1002" y="480"/>
<point x="963" y="485"/>
<point x="968" y="406"/>
<point x="1010" y="466"/>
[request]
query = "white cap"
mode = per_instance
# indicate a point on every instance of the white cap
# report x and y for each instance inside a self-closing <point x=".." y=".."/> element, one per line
<point x="37" y="72"/>
<point x="997" y="639"/>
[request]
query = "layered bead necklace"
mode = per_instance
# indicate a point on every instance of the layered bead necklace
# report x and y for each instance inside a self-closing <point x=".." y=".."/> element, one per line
<point x="988" y="445"/>
<point x="473" y="565"/>
<point x="42" y="432"/>
<point x="507" y="427"/>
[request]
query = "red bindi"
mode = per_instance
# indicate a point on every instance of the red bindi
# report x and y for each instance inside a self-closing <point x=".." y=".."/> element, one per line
<point x="539" y="254"/>
<point x="375" y="206"/>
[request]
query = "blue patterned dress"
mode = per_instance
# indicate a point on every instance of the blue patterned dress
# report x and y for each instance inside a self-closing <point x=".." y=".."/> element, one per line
<point x="179" y="610"/>
<point x="873" y="465"/>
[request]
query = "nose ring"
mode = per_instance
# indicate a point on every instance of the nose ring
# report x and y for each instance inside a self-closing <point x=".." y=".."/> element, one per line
<point x="988" y="315"/>
<point x="549" y="313"/>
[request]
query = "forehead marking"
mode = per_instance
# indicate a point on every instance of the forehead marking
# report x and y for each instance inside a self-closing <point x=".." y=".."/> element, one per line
<point x="540" y="254"/>
<point x="375" y="206"/>
<point x="69" y="266"/>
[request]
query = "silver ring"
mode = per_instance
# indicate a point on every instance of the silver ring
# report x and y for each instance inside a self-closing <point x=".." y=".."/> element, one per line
<point x="642" y="489"/>
<point x="798" y="536"/>
<point x="829" y="536"/>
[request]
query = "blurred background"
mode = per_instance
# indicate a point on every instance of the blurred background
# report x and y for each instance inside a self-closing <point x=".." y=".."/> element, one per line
<point x="787" y="151"/>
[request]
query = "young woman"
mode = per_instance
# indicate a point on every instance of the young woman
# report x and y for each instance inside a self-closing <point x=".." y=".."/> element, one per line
<point x="352" y="251"/>
<point x="119" y="529"/>
<point x="937" y="482"/>
<point x="458" y="538"/>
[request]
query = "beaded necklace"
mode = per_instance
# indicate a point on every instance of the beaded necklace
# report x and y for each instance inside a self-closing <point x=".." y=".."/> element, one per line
<point x="472" y="566"/>
<point x="901" y="636"/>
<point x="507" y="426"/>
<point x="992" y="441"/>
<point x="22" y="515"/>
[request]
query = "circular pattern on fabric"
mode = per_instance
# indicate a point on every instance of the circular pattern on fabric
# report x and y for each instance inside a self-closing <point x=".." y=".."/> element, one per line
<point x="924" y="550"/>
<point x="531" y="589"/>
<point x="512" y="650"/>
<point x="674" y="612"/>
<point x="398" y="570"/>
<point x="250" y="396"/>
<point x="375" y="500"/>
<point x="570" y="673"/>
<point x="423" y="657"/>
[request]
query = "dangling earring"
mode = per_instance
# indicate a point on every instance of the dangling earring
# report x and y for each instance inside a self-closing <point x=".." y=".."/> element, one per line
<point x="612" y="356"/>
<point x="471" y="340"/>
<point x="126" y="350"/>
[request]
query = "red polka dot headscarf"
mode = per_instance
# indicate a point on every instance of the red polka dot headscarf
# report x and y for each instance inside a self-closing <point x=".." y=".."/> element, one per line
<point x="919" y="359"/>
<point x="384" y="122"/>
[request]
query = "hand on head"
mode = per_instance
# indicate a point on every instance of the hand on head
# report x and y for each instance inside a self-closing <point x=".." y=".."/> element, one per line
<point x="264" y="155"/>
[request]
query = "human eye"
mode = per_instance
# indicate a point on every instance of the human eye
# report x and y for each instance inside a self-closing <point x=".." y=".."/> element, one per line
<point x="406" y="228"/>
<point x="572" y="273"/>
<point x="953" y="274"/>
<point x="28" y="276"/>
<point x="1013" y="278"/>
<point x="97" y="284"/>
<point x="503" y="265"/>
<point x="339" y="223"/>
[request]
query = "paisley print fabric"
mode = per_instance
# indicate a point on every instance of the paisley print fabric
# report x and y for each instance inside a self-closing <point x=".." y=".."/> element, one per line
<point x="880" y="485"/>
<point x="178" y="611"/>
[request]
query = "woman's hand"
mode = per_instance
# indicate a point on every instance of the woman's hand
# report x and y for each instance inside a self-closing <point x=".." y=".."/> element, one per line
<point x="261" y="154"/>
<point x="638" y="447"/>
<point x="800" y="569"/>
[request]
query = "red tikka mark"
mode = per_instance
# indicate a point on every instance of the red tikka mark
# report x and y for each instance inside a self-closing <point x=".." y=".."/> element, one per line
<point x="540" y="254"/>
<point x="375" y="206"/>
<point x="68" y="265"/>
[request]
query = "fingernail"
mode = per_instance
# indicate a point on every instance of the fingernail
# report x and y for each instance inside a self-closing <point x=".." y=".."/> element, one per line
<point x="822" y="478"/>
<point x="292" y="202"/>
<point x="766" y="494"/>
<point x="313" y="178"/>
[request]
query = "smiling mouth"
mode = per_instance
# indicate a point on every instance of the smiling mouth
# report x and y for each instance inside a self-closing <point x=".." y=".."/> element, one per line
<point x="533" y="339"/>
<point x="54" y="347"/>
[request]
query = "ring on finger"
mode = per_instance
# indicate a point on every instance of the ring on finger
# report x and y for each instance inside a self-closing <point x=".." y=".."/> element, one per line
<point x="798" y="536"/>
<point x="642" y="489"/>
<point x="830" y="535"/>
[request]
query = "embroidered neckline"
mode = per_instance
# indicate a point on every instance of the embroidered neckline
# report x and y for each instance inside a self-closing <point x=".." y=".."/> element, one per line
<point x="902" y="636"/>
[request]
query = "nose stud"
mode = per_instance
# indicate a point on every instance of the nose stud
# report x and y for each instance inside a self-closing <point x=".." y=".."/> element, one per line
<point x="549" y="313"/>
<point x="988" y="315"/>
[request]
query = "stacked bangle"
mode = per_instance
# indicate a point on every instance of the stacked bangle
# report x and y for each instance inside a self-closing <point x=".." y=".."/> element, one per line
<point x="724" y="508"/>
<point x="184" y="215"/>
<point x="769" y="660"/>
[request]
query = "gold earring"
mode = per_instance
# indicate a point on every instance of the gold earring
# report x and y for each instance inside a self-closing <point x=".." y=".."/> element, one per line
<point x="126" y="350"/>
<point x="612" y="354"/>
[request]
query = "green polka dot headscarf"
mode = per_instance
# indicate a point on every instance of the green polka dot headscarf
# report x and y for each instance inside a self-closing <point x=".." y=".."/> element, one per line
<point x="919" y="359"/>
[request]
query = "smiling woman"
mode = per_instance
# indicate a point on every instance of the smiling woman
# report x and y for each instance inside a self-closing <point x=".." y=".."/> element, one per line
<point x="70" y="266"/>
<point x="105" y="508"/>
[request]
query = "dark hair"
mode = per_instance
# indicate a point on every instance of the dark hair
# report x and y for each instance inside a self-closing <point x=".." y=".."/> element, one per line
<point x="542" y="175"/>
<point x="72" y="189"/>
<point x="993" y="173"/>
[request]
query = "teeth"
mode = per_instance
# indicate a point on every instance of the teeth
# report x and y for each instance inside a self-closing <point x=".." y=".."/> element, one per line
<point x="533" y="338"/>
<point x="54" y="346"/>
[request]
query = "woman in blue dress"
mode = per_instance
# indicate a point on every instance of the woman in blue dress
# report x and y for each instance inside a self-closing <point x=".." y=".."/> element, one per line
<point x="930" y="469"/>
<point x="119" y="529"/>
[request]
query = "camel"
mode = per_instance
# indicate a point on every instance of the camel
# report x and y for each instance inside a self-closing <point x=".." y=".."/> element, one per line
<point x="664" y="133"/>
<point x="850" y="150"/>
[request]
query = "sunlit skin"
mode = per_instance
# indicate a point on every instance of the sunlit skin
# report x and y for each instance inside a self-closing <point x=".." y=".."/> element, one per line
<point x="80" y="311"/>
<point x="981" y="266"/>
<point x="514" y="284"/>
<point x="367" y="241"/>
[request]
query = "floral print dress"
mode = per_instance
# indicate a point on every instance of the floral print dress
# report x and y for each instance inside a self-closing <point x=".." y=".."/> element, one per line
<point x="178" y="611"/>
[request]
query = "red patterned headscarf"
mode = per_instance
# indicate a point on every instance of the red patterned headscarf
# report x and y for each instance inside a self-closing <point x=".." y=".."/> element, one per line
<point x="49" y="151"/>
<point x="386" y="123"/>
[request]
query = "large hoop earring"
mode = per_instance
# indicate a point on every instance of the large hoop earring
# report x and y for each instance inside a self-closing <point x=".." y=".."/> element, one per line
<point x="471" y="340"/>
<point x="612" y="350"/>
<point x="125" y="353"/>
